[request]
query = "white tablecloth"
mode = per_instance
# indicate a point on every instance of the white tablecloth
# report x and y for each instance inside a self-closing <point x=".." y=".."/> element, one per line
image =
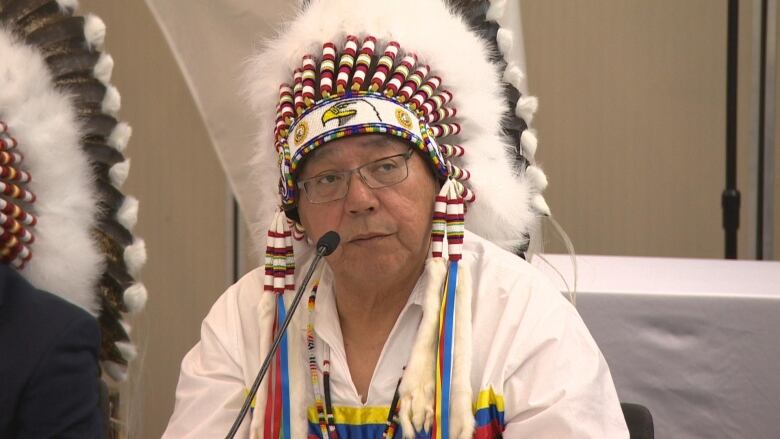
<point x="695" y="341"/>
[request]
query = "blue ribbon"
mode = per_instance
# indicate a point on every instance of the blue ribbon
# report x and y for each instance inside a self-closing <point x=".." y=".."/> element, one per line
<point x="285" y="372"/>
<point x="449" y="334"/>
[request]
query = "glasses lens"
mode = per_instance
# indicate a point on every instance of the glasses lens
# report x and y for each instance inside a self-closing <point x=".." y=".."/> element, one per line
<point x="326" y="187"/>
<point x="385" y="172"/>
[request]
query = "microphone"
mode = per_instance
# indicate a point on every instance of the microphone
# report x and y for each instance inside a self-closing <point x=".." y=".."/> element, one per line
<point x="328" y="243"/>
<point x="325" y="246"/>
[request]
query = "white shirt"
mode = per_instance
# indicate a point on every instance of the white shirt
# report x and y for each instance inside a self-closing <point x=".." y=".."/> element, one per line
<point x="536" y="371"/>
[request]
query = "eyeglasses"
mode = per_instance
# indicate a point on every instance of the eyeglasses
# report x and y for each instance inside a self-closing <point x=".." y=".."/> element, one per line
<point x="332" y="186"/>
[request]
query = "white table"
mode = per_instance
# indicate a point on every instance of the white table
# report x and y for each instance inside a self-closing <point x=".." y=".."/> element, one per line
<point x="695" y="341"/>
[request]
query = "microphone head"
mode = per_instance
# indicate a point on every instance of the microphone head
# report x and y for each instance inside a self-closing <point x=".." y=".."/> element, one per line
<point x="328" y="243"/>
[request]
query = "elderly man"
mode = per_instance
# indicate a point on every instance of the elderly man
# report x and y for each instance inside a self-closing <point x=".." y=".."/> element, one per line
<point x="415" y="327"/>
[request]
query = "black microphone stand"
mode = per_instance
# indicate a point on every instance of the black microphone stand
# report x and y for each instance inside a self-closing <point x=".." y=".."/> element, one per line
<point x="325" y="246"/>
<point x="730" y="198"/>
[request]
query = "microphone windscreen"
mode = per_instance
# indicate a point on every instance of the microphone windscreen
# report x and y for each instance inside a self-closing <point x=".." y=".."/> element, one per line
<point x="328" y="243"/>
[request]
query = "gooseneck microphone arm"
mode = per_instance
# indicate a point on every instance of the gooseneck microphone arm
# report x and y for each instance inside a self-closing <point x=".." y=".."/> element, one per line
<point x="326" y="245"/>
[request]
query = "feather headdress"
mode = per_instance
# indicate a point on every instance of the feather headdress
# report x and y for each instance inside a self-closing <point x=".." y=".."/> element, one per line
<point x="67" y="226"/>
<point x="508" y="195"/>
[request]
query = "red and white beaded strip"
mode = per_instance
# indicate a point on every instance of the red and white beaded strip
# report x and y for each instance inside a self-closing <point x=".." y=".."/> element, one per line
<point x="363" y="63"/>
<point x="279" y="259"/>
<point x="384" y="65"/>
<point x="16" y="222"/>
<point x="308" y="76"/>
<point x="399" y="75"/>
<point x="327" y="69"/>
<point x="413" y="82"/>
<point x="346" y="63"/>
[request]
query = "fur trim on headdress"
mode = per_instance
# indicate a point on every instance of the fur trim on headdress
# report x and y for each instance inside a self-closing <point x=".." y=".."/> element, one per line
<point x="417" y="388"/>
<point x="65" y="260"/>
<point x="462" y="419"/>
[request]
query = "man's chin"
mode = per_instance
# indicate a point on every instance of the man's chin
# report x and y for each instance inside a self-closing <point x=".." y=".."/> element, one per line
<point x="374" y="264"/>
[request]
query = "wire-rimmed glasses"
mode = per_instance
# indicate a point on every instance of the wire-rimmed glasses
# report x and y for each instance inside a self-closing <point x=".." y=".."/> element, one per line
<point x="332" y="186"/>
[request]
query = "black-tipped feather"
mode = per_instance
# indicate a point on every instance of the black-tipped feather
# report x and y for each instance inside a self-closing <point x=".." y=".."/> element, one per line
<point x="75" y="63"/>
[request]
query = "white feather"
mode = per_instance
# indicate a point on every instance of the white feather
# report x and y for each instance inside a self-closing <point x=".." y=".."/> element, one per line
<point x="127" y="350"/>
<point x="514" y="75"/>
<point x="505" y="40"/>
<point x="537" y="178"/>
<point x="125" y="326"/>
<point x="526" y="107"/>
<point x="496" y="10"/>
<point x="540" y="205"/>
<point x="528" y="141"/>
<point x="120" y="136"/>
<point x="135" y="298"/>
<point x="94" y="31"/>
<point x="135" y="256"/>
<point x="116" y="371"/>
<point x="119" y="172"/>
<point x="68" y="5"/>
<point x="104" y="68"/>
<point x="112" y="100"/>
<point x="128" y="213"/>
<point x="66" y="261"/>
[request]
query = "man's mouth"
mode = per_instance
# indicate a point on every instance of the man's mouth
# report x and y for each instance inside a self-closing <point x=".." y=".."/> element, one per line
<point x="367" y="237"/>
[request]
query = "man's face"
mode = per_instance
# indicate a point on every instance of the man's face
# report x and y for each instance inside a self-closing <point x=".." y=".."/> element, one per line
<point x="384" y="232"/>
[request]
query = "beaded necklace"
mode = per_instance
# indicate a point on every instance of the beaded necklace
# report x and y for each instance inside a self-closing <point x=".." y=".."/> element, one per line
<point x="324" y="405"/>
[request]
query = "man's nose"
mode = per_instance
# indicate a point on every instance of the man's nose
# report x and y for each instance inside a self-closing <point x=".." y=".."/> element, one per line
<point x="360" y="197"/>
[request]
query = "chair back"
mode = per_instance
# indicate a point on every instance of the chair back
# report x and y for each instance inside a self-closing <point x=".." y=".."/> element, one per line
<point x="639" y="420"/>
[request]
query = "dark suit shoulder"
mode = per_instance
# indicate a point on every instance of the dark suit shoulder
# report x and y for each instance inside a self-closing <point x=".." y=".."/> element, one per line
<point x="22" y="302"/>
<point x="49" y="367"/>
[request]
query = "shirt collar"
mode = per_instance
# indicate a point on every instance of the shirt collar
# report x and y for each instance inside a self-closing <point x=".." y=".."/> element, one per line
<point x="326" y="323"/>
